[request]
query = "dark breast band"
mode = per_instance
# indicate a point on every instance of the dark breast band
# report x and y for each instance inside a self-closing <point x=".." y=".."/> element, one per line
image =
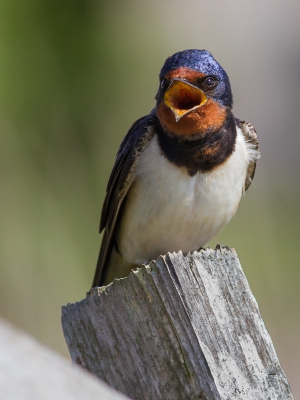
<point x="199" y="153"/>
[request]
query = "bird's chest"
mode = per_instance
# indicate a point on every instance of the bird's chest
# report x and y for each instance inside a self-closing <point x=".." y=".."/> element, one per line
<point x="169" y="210"/>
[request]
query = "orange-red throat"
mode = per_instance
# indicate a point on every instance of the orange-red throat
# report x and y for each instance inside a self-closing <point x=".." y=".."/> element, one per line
<point x="185" y="110"/>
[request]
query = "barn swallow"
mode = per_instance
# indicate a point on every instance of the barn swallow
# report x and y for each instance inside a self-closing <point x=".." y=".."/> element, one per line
<point x="180" y="171"/>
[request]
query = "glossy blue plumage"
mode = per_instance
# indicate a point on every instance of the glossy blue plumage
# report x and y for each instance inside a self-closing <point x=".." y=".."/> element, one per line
<point x="204" y="62"/>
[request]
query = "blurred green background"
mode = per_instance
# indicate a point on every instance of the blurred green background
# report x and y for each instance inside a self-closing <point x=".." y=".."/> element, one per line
<point x="74" y="75"/>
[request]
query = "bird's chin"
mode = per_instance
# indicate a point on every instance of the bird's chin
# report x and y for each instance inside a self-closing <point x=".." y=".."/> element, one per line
<point x="193" y="122"/>
<point x="182" y="112"/>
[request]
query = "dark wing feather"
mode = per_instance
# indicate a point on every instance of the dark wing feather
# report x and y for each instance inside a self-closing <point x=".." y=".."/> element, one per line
<point x="250" y="136"/>
<point x="118" y="185"/>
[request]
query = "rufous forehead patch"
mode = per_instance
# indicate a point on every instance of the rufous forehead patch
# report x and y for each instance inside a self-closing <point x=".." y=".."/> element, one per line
<point x="184" y="73"/>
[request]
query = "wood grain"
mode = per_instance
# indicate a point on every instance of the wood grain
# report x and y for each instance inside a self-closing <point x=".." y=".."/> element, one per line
<point x="183" y="327"/>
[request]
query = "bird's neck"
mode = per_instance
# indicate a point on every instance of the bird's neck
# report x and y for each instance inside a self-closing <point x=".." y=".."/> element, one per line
<point x="199" y="152"/>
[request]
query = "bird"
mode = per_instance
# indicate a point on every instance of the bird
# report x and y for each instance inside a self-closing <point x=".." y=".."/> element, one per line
<point x="180" y="171"/>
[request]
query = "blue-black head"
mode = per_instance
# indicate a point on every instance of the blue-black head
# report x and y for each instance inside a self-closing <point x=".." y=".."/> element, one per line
<point x="199" y="68"/>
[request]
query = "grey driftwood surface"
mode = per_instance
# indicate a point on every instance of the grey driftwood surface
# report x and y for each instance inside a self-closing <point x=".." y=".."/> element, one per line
<point x="183" y="327"/>
<point x="30" y="371"/>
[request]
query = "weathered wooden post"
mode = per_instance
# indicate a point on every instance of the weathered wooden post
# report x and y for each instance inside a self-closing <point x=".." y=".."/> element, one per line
<point x="183" y="327"/>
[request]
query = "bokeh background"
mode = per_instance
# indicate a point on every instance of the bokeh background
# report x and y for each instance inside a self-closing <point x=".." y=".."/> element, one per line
<point x="74" y="75"/>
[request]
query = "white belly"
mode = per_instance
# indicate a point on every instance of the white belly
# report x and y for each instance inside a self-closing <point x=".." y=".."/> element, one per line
<point x="167" y="210"/>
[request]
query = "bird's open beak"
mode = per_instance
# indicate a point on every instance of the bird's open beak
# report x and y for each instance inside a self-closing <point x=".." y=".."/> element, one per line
<point x="182" y="97"/>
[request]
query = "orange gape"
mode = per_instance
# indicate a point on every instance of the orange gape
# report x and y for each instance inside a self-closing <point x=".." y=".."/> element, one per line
<point x="209" y="117"/>
<point x="183" y="97"/>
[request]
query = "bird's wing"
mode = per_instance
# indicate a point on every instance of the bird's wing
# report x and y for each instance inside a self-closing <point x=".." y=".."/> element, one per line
<point x="250" y="136"/>
<point x="120" y="181"/>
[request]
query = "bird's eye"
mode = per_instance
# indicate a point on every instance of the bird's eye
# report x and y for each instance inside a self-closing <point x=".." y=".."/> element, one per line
<point x="210" y="82"/>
